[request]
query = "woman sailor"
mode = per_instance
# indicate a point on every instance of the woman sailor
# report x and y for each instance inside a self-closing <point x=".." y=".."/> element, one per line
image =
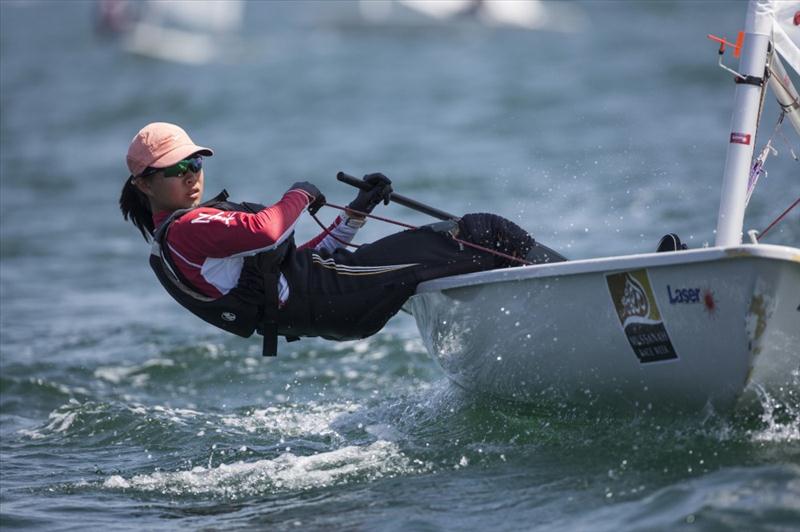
<point x="236" y="265"/>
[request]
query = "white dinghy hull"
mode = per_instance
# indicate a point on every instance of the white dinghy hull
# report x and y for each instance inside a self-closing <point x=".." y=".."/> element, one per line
<point x="682" y="329"/>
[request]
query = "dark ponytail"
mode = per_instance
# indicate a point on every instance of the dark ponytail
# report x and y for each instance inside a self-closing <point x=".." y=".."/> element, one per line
<point x="136" y="207"/>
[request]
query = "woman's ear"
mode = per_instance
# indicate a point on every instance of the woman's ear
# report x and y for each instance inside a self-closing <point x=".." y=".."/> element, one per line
<point x="143" y="185"/>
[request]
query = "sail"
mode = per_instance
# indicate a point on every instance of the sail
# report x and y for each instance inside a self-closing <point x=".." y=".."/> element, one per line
<point x="195" y="32"/>
<point x="782" y="17"/>
<point x="779" y="21"/>
<point x="524" y="14"/>
<point x="211" y="16"/>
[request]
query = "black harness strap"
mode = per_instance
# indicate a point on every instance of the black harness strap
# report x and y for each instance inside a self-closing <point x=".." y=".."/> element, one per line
<point x="251" y="306"/>
<point x="269" y="323"/>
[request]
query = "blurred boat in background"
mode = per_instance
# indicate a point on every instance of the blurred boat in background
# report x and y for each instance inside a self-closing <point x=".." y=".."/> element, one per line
<point x="554" y="16"/>
<point x="523" y="14"/>
<point x="196" y="32"/>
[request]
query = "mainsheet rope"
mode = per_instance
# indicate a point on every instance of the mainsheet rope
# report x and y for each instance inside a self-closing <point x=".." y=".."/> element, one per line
<point x="779" y="218"/>
<point x="408" y="226"/>
<point x="476" y="246"/>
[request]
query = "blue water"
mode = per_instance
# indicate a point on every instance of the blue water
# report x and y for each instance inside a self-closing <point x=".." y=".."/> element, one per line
<point x="119" y="410"/>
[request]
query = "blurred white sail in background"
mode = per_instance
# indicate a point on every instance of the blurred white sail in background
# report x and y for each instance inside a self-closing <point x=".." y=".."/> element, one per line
<point x="528" y="15"/>
<point x="440" y="9"/>
<point x="525" y="14"/>
<point x="194" y="32"/>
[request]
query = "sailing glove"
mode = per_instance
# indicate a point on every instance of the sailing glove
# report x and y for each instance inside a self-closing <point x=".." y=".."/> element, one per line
<point x="380" y="191"/>
<point x="317" y="197"/>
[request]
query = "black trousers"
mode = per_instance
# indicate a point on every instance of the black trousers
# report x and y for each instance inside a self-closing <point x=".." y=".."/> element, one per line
<point x="346" y="294"/>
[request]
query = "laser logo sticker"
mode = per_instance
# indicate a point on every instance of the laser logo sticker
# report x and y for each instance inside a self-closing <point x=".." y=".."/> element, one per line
<point x="683" y="295"/>
<point x="639" y="316"/>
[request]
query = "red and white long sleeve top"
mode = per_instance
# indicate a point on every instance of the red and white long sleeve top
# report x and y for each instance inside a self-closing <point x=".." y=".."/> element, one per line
<point x="209" y="246"/>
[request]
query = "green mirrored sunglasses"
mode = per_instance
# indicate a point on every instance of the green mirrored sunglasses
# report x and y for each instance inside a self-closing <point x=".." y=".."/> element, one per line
<point x="193" y="164"/>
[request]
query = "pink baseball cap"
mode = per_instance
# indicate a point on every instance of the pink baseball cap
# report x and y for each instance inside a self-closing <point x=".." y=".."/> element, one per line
<point x="160" y="145"/>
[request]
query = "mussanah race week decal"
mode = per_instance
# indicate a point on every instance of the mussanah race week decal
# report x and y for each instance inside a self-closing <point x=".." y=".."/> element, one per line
<point x="639" y="316"/>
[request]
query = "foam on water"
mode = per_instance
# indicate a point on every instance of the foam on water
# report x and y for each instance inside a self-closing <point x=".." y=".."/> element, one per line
<point x="60" y="421"/>
<point x="780" y="419"/>
<point x="291" y="420"/>
<point x="287" y="472"/>
<point x="76" y="418"/>
<point x="117" y="374"/>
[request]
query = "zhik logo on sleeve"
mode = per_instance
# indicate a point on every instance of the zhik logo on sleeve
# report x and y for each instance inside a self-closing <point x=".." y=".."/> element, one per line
<point x="203" y="218"/>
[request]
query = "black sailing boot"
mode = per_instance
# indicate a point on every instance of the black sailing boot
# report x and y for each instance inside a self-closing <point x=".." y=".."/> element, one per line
<point x="670" y="242"/>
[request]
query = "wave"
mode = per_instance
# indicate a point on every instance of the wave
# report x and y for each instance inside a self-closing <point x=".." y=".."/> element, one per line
<point x="287" y="472"/>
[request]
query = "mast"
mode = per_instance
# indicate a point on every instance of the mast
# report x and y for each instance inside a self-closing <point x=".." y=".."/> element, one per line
<point x="744" y="123"/>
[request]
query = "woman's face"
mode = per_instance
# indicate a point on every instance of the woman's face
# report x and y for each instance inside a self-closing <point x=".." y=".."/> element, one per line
<point x="172" y="193"/>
